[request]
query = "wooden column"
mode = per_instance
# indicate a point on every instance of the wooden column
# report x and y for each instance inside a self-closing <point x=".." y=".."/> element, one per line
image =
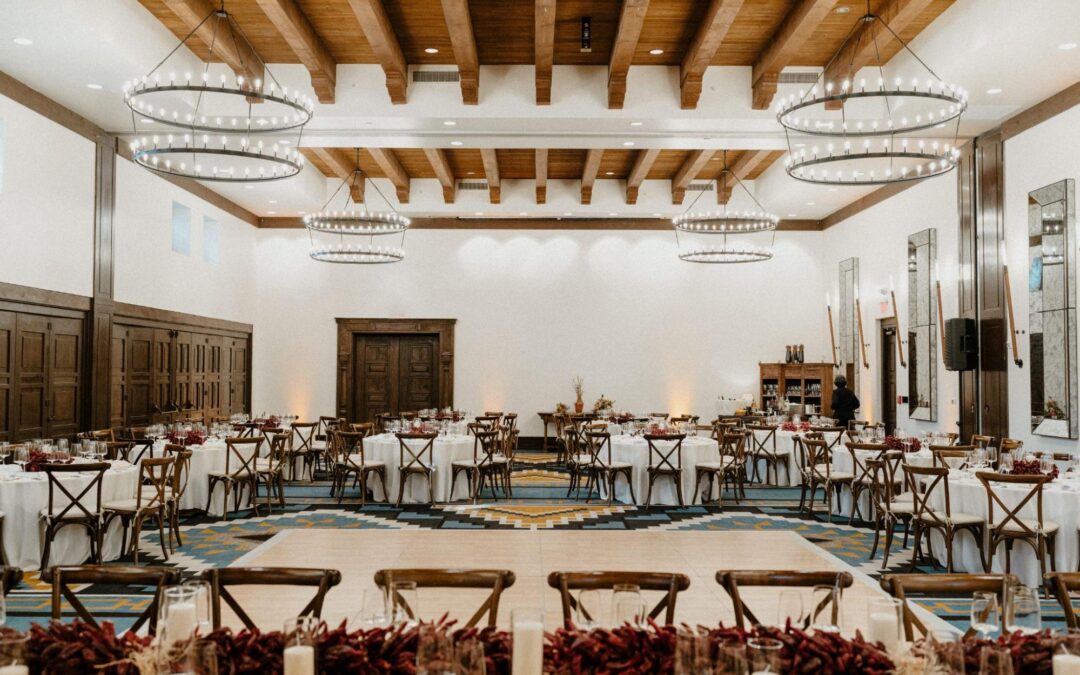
<point x="99" y="342"/>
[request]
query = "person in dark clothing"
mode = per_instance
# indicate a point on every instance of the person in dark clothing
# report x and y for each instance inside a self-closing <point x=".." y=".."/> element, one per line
<point x="844" y="402"/>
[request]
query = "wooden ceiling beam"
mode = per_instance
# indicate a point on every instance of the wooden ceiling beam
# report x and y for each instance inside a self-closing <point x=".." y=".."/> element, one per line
<point x="794" y="32"/>
<point x="579" y="224"/>
<point x="391" y="166"/>
<point x="631" y="20"/>
<point x="237" y="54"/>
<point x="541" y="175"/>
<point x="380" y="34"/>
<point x="642" y="163"/>
<point x="747" y="163"/>
<point x="864" y="45"/>
<point x="459" y="23"/>
<point x="290" y="21"/>
<point x="544" y="51"/>
<point x="709" y="36"/>
<point x="491" y="172"/>
<point x="437" y="158"/>
<point x="341" y="167"/>
<point x="688" y="172"/>
<point x="588" y="173"/>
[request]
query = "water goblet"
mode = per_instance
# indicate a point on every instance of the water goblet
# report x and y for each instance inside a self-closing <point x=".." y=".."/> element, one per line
<point x="765" y="655"/>
<point x="985" y="615"/>
<point x="1022" y="611"/>
<point x="625" y="604"/>
<point x="404" y="602"/>
<point x="995" y="660"/>
<point x="588" y="610"/>
<point x="790" y="607"/>
<point x="825" y="609"/>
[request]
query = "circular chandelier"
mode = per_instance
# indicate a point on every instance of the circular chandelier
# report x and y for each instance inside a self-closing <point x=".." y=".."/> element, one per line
<point x="335" y="234"/>
<point x="219" y="120"/>
<point x="714" y="236"/>
<point x="865" y="128"/>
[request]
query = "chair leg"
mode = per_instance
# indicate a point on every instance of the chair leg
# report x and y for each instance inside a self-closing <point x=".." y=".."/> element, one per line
<point x="917" y="548"/>
<point x="697" y="488"/>
<point x="877" y="536"/>
<point x="401" y="488"/>
<point x="648" y="494"/>
<point x="888" y="543"/>
<point x="49" y="534"/>
<point x="161" y="531"/>
<point x="431" y="488"/>
<point x="678" y="489"/>
<point x="382" y="480"/>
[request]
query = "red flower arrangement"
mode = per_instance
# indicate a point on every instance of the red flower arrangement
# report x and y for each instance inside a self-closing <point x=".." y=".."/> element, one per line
<point x="1031" y="467"/>
<point x="621" y="418"/>
<point x="791" y="426"/>
<point x="192" y="438"/>
<point x="897" y="443"/>
<point x="454" y="416"/>
<point x="36" y="461"/>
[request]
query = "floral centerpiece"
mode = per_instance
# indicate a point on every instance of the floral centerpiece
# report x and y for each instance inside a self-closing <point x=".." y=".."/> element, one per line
<point x="271" y="422"/>
<point x="579" y="392"/>
<point x="1031" y="467"/>
<point x="193" y="438"/>
<point x="561" y="409"/>
<point x="449" y="415"/>
<point x="793" y="426"/>
<point x="909" y="444"/>
<point x="602" y="404"/>
<point x="621" y="418"/>
<point x="36" y="461"/>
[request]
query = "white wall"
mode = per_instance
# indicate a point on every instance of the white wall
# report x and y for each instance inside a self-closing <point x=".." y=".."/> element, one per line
<point x="1042" y="155"/>
<point x="46" y="203"/>
<point x="535" y="308"/>
<point x="878" y="238"/>
<point x="149" y="272"/>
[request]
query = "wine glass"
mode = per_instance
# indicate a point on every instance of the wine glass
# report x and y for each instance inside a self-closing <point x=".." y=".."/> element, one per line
<point x="1022" y="612"/>
<point x="825" y="609"/>
<point x="22" y="456"/>
<point x="373" y="608"/>
<point x="994" y="660"/>
<point x="588" y="610"/>
<point x="1006" y="465"/>
<point x="625" y="604"/>
<point x="790" y="606"/>
<point x="404" y="602"/>
<point x="984" y="612"/>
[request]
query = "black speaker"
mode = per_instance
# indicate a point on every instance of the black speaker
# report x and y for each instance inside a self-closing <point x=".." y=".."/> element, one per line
<point x="961" y="347"/>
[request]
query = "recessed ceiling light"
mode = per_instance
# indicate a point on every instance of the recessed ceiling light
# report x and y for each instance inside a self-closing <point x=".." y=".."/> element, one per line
<point x="273" y="201"/>
<point x="470" y="173"/>
<point x="146" y="120"/>
<point x="450" y="123"/>
<point x="567" y="213"/>
<point x="455" y="143"/>
<point x="609" y="173"/>
<point x="627" y="144"/>
<point x="843" y="9"/>
<point x="715" y="159"/>
<point x="431" y="50"/>
<point x="479" y="213"/>
<point x="656" y="52"/>
<point x="994" y="91"/>
<point x="94" y="86"/>
<point x="272" y="213"/>
<point x="23" y="42"/>
<point x="792" y="215"/>
<point x="636" y="124"/>
<point x="1066" y="46"/>
<point x="249" y="187"/>
<point x="613" y="214"/>
<point x="809" y="203"/>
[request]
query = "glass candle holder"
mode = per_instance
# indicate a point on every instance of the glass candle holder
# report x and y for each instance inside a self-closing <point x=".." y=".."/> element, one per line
<point x="300" y="640"/>
<point x="13" y="655"/>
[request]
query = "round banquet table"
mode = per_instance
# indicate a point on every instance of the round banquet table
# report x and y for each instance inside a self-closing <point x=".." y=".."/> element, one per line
<point x="1061" y="504"/>
<point x="205" y="458"/>
<point x="634" y="450"/>
<point x="447" y="449"/>
<point x="24" y="495"/>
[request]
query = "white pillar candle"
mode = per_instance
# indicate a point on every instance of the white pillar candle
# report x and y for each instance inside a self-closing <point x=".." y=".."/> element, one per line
<point x="180" y="622"/>
<point x="528" y="654"/>
<point x="300" y="660"/>
<point x="883" y="628"/>
<point x="25" y="670"/>
<point x="1064" y="664"/>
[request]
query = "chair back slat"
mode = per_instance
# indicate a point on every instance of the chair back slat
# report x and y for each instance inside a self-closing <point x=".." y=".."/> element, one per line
<point x="1033" y="482"/>
<point x="63" y="577"/>
<point x="899" y="585"/>
<point x="1062" y="585"/>
<point x="224" y="578"/>
<point x="240" y="454"/>
<point x="416" y="457"/>
<point x="496" y="580"/>
<point x="660" y="456"/>
<point x="732" y="580"/>
<point x="68" y="505"/>
<point x="671" y="584"/>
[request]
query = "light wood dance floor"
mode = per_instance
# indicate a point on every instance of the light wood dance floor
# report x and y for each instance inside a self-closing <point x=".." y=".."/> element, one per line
<point x="532" y="554"/>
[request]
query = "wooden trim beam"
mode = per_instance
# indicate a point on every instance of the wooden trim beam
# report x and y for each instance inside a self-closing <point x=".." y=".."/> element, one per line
<point x="541" y="175"/>
<point x="544" y="49"/>
<point x="39" y="296"/>
<point x="631" y="21"/>
<point x="588" y="173"/>
<point x="342" y="168"/>
<point x="584" y="224"/>
<point x="289" y="20"/>
<point x="709" y="36"/>
<point x="862" y="48"/>
<point x="388" y="162"/>
<point x="491" y="172"/>
<point x="743" y="167"/>
<point x="794" y="32"/>
<point x="437" y="158"/>
<point x="46" y="107"/>
<point x="642" y="163"/>
<point x="866" y="201"/>
<point x="122" y="311"/>
<point x="1040" y="112"/>
<point x="688" y="172"/>
<point x="459" y="23"/>
<point x="380" y="34"/>
<point x="237" y="54"/>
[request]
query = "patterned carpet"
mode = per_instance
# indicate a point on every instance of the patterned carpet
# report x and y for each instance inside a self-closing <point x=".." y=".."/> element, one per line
<point x="539" y="500"/>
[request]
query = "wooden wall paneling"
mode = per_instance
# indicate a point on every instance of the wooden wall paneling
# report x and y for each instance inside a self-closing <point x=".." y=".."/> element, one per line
<point x="993" y="327"/>
<point x="31" y="364"/>
<point x="182" y="372"/>
<point x="64" y="388"/>
<point x="98" y="345"/>
<point x="8" y="337"/>
<point x="967" y="289"/>
<point x="199" y="358"/>
<point x="212" y="386"/>
<point x="161" y="373"/>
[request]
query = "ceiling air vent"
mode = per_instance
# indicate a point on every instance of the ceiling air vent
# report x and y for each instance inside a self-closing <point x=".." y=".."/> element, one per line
<point x="435" y="76"/>
<point x="472" y="185"/>
<point x="798" y="78"/>
<point x="700" y="187"/>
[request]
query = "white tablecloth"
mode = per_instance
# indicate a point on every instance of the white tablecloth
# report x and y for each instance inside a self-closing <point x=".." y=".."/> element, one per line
<point x="1061" y="504"/>
<point x="23" y="496"/>
<point x="634" y="450"/>
<point x="842" y="462"/>
<point x="447" y="449"/>
<point x="205" y="458"/>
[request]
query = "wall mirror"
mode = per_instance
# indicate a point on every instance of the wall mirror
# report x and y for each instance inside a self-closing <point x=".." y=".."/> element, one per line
<point x="848" y="323"/>
<point x="1052" y="309"/>
<point x="922" y="325"/>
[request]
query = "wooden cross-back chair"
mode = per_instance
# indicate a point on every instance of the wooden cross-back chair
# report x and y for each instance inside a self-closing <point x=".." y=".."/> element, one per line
<point x="117" y="450"/>
<point x="890" y="508"/>
<point x="10" y="577"/>
<point x="495" y="580"/>
<point x="923" y="483"/>
<point x="487" y="464"/>
<point x="661" y="465"/>
<point x="352" y="462"/>
<point x="982" y="441"/>
<point x="105" y="435"/>
<point x="270" y="470"/>
<point x="66" y="507"/>
<point x="863" y="477"/>
<point x="63" y="577"/>
<point x="139" y="449"/>
<point x="670" y="583"/>
<point x="181" y="473"/>
<point x="1009" y="445"/>
<point x="951" y="456"/>
<point x="151" y="501"/>
<point x="819" y="472"/>
<point x="763" y="448"/>
<point x="936" y="585"/>
<point x="302" y="447"/>
<point x="603" y="468"/>
<point x="731" y="462"/>
<point x="1062" y="585"/>
<point x="1036" y="532"/>
<point x="366" y="428"/>
<point x="415" y="464"/>
<point x="733" y="580"/>
<point x="223" y="578"/>
<point x="240" y="470"/>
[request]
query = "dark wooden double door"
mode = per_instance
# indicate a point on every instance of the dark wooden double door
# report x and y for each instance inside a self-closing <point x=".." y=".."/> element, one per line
<point x="41" y="376"/>
<point x="394" y="373"/>
<point x="156" y="369"/>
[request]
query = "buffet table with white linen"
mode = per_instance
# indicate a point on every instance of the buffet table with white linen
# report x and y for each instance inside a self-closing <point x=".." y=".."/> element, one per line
<point x="25" y="495"/>
<point x="446" y="450"/>
<point x="634" y="450"/>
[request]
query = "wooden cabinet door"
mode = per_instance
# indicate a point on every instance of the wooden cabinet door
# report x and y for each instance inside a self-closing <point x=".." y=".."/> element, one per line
<point x="182" y="394"/>
<point x="416" y="386"/>
<point x="31" y="364"/>
<point x="198" y="370"/>
<point x="118" y="376"/>
<point x="139" y="364"/>
<point x="237" y="365"/>
<point x="375" y="376"/>
<point x="65" y="375"/>
<point x="7" y="372"/>
<point x="161" y="379"/>
<point x="212" y="378"/>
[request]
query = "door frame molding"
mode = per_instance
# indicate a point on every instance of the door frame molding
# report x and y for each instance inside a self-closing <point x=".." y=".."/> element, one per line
<point x="349" y="328"/>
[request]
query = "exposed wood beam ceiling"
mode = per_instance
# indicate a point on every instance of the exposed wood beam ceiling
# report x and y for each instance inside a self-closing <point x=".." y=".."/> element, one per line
<point x="798" y="28"/>
<point x="459" y="23"/>
<point x="742" y="167"/>
<point x="588" y="173"/>
<point x="383" y="41"/>
<point x="688" y="172"/>
<point x="341" y="166"/>
<point x="707" y="40"/>
<point x="392" y="169"/>
<point x="297" y="31"/>
<point x="441" y="166"/>
<point x="541" y="171"/>
<point x="544" y="56"/>
<point x="491" y="172"/>
<point x="642" y="163"/>
<point x="631" y="21"/>
<point x="238" y="55"/>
